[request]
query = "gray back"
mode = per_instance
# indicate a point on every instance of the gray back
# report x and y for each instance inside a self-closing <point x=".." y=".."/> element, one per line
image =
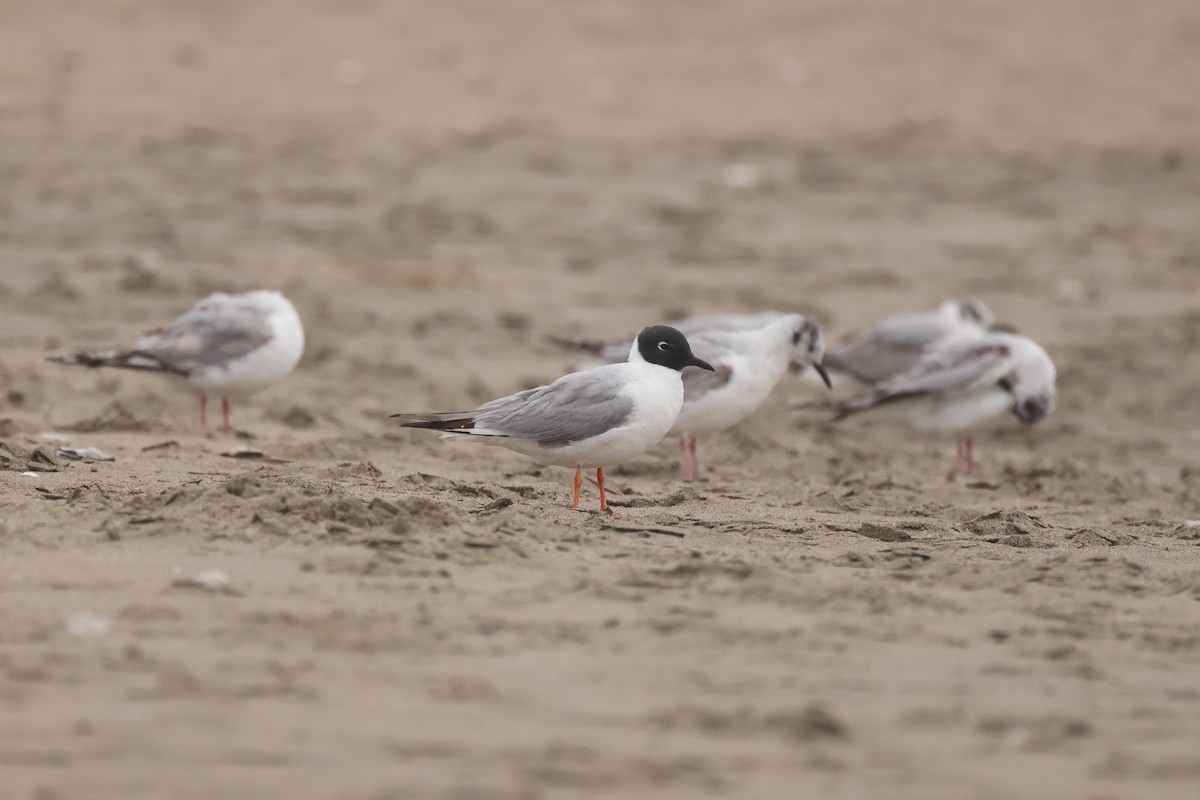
<point x="962" y="366"/>
<point x="699" y="382"/>
<point x="892" y="347"/>
<point x="575" y="407"/>
<point x="218" y="330"/>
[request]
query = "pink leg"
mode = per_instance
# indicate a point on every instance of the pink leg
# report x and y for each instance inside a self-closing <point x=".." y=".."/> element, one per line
<point x="600" y="483"/>
<point x="203" y="409"/>
<point x="689" y="467"/>
<point x="965" y="463"/>
<point x="578" y="484"/>
<point x="225" y="415"/>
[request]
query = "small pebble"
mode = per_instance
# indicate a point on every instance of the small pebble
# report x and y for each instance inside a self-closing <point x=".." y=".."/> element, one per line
<point x="83" y="454"/>
<point x="1071" y="290"/>
<point x="213" y="580"/>
<point x="740" y="175"/>
<point x="350" y="71"/>
<point x="86" y="625"/>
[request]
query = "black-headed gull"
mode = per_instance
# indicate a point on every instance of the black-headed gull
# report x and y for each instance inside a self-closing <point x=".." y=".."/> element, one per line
<point x="227" y="346"/>
<point x="749" y="353"/>
<point x="966" y="385"/>
<point x="897" y="343"/>
<point x="586" y="420"/>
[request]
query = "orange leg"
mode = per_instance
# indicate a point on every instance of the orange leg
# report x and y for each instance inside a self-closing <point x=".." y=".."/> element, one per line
<point x="203" y="409"/>
<point x="600" y="483"/>
<point x="225" y="415"/>
<point x="578" y="484"/>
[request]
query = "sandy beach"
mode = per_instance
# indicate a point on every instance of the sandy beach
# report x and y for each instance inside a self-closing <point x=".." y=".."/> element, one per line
<point x="324" y="605"/>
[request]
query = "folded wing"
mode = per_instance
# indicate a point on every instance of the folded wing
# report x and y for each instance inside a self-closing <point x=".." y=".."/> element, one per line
<point x="889" y="348"/>
<point x="962" y="366"/>
<point x="574" y="408"/>
<point x="218" y="330"/>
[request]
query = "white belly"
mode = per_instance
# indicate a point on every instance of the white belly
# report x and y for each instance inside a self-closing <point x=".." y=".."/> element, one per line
<point x="253" y="372"/>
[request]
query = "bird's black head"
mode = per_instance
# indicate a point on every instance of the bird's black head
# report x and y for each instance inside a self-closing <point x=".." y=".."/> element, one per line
<point x="667" y="347"/>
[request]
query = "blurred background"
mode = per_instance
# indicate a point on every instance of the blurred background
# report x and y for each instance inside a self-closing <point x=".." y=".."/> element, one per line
<point x="477" y="175"/>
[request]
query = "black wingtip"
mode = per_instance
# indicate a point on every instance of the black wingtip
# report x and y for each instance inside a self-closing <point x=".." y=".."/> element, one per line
<point x="437" y="422"/>
<point x="75" y="357"/>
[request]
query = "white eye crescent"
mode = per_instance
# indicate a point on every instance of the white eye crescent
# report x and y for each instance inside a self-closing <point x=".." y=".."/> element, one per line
<point x="664" y="346"/>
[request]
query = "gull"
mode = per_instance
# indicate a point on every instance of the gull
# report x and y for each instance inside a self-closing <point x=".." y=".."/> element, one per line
<point x="966" y="385"/>
<point x="749" y="354"/>
<point x="227" y="346"/>
<point x="589" y="419"/>
<point x="897" y="343"/>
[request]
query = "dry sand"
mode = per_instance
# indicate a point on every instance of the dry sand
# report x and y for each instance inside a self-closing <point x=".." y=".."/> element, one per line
<point x="439" y="186"/>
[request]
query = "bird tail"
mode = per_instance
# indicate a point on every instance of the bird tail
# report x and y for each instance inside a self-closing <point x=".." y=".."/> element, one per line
<point x="127" y="359"/>
<point x="593" y="346"/>
<point x="439" y="422"/>
<point x="847" y="369"/>
<point x="840" y="409"/>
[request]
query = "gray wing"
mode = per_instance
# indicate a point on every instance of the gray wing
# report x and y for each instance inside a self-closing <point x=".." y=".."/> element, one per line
<point x="717" y="323"/>
<point x="575" y="407"/>
<point x="958" y="367"/>
<point x="616" y="350"/>
<point x="219" y="329"/>
<point x="890" y="348"/>
<point x="611" y="350"/>
<point x="699" y="382"/>
<point x="713" y="346"/>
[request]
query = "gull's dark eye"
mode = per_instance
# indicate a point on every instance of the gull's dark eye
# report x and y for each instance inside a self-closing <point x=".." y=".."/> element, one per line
<point x="1005" y="384"/>
<point x="796" y="337"/>
<point x="664" y="346"/>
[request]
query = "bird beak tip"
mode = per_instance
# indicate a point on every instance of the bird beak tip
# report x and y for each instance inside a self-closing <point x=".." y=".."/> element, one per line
<point x="824" y="373"/>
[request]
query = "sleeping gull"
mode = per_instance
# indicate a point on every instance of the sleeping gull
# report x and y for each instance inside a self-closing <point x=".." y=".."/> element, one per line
<point x="227" y="346"/>
<point x="589" y="419"/>
<point x="966" y="385"/>
<point x="897" y="343"/>
<point x="749" y="353"/>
